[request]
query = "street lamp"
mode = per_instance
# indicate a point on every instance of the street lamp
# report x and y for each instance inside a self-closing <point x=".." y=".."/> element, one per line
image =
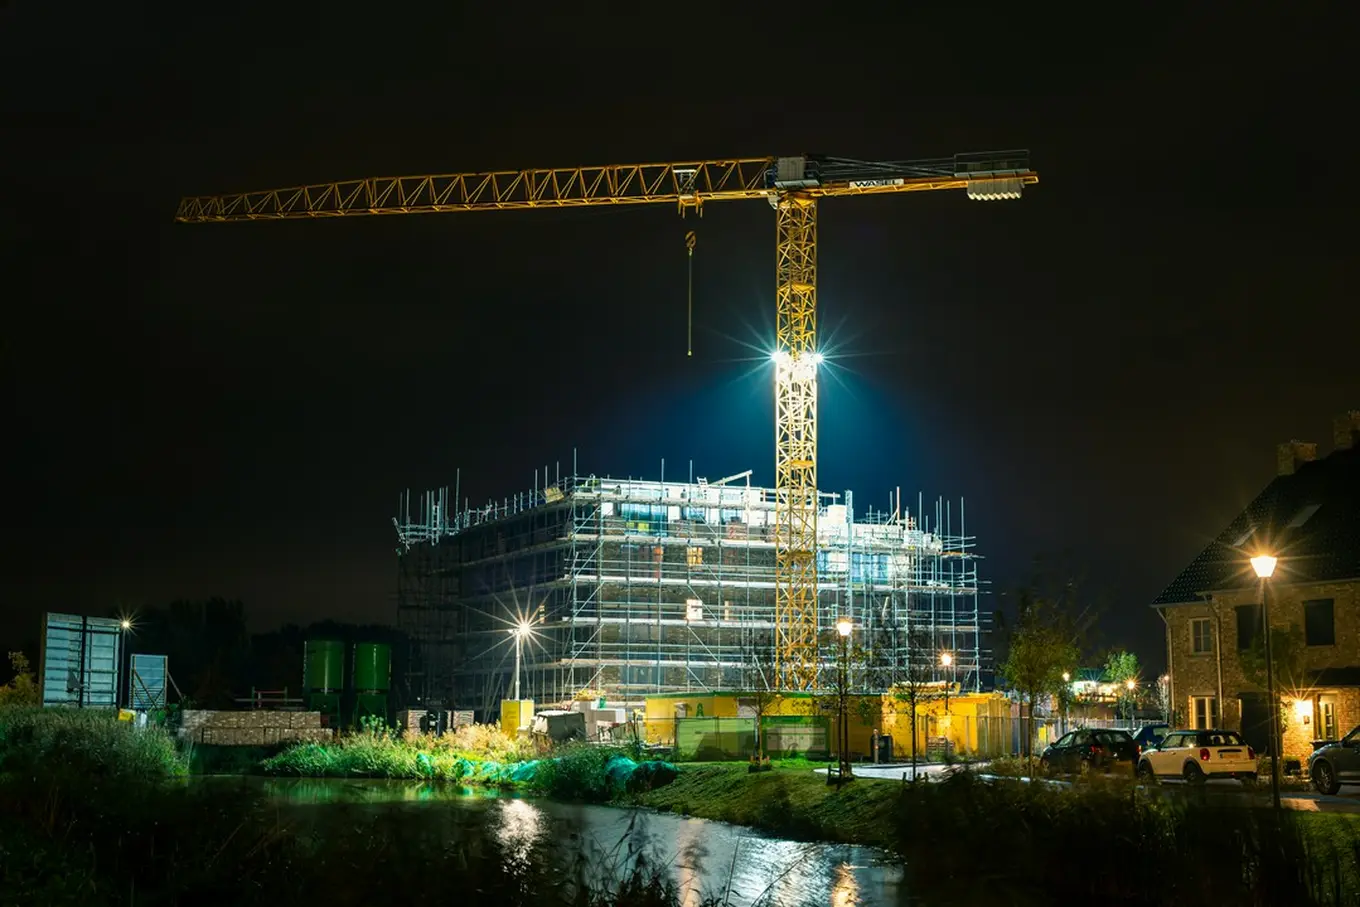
<point x="1130" y="685"/>
<point x="1066" y="695"/>
<point x="1264" y="565"/>
<point x="843" y="628"/>
<point x="947" y="660"/>
<point x="519" y="632"/>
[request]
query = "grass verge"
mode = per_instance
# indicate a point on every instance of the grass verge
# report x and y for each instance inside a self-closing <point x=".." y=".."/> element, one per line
<point x="791" y="801"/>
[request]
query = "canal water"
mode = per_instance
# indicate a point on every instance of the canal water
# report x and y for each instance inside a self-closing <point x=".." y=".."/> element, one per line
<point x="706" y="858"/>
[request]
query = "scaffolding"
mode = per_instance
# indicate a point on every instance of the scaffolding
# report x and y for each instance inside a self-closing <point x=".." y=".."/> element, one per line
<point x="631" y="587"/>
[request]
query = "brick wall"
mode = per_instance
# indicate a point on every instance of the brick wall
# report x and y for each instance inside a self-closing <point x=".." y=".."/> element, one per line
<point x="256" y="728"/>
<point x="1197" y="674"/>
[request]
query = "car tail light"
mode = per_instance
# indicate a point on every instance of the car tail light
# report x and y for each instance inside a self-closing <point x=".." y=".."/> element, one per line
<point x="1097" y="749"/>
<point x="1204" y="754"/>
<point x="1251" y="753"/>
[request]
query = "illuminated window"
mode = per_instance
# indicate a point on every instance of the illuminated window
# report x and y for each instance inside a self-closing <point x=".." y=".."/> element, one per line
<point x="1204" y="712"/>
<point x="1201" y="636"/>
<point x="694" y="556"/>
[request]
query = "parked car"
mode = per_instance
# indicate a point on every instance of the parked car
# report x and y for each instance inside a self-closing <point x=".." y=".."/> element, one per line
<point x="1197" y="756"/>
<point x="1335" y="762"/>
<point x="1090" y="749"/>
<point x="1150" y="735"/>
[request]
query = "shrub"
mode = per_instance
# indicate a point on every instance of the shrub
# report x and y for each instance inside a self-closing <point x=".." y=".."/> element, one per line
<point x="577" y="772"/>
<point x="475" y="752"/>
<point x="22" y="689"/>
<point x="84" y="743"/>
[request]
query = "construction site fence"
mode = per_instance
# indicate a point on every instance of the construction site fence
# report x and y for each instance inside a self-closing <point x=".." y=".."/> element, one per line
<point x="813" y="737"/>
<point x="727" y="739"/>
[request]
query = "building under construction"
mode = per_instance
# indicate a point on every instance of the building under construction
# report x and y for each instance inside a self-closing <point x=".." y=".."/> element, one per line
<point x="633" y="587"/>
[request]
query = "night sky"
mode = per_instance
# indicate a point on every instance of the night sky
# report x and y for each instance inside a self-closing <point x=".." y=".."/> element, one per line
<point x="1101" y="370"/>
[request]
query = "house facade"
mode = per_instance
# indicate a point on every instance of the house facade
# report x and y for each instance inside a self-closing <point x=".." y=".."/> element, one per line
<point x="1309" y="518"/>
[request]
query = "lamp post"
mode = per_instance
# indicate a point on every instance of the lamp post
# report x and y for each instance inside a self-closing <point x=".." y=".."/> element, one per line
<point x="843" y="628"/>
<point x="1131" y="685"/>
<point x="947" y="660"/>
<point x="123" y="695"/>
<point x="1264" y="565"/>
<point x="1067" y="694"/>
<point x="519" y="633"/>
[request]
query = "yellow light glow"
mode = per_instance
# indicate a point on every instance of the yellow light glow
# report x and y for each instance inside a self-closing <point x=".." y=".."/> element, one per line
<point x="1264" y="565"/>
<point x="946" y="659"/>
<point x="843" y="626"/>
<point x="1067" y="678"/>
<point x="1130" y="683"/>
<point x="1303" y="709"/>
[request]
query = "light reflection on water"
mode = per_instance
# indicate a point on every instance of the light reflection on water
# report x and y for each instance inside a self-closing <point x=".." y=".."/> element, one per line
<point x="706" y="859"/>
<point x="520" y="826"/>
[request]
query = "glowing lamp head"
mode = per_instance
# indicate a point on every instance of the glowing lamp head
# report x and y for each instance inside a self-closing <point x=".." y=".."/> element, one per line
<point x="1130" y="684"/>
<point x="946" y="659"/>
<point x="1264" y="565"/>
<point x="782" y="358"/>
<point x="126" y="624"/>
<point x="523" y="630"/>
<point x="1067" y="678"/>
<point x="843" y="626"/>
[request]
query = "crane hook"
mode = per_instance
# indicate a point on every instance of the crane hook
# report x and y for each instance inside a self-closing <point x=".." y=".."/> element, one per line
<point x="690" y="240"/>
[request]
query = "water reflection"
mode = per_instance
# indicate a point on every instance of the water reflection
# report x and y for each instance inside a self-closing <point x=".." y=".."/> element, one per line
<point x="706" y="860"/>
<point x="845" y="890"/>
<point x="521" y="825"/>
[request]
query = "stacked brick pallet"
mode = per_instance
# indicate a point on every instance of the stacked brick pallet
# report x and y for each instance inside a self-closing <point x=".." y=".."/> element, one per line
<point x="257" y="728"/>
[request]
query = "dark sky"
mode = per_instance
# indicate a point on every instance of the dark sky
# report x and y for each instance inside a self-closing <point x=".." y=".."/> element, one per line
<point x="1101" y="369"/>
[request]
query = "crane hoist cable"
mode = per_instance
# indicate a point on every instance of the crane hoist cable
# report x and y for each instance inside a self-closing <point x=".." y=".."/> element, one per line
<point x="690" y="240"/>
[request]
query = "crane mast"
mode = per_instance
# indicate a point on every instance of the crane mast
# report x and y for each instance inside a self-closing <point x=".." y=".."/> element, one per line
<point x="793" y="186"/>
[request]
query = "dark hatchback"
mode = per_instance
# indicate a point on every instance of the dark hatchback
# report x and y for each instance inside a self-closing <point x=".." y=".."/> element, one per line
<point x="1091" y="749"/>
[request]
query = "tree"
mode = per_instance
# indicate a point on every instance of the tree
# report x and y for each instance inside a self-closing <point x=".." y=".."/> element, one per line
<point x="23" y="688"/>
<point x="1288" y="656"/>
<point x="758" y="685"/>
<point x="1121" y="666"/>
<point x="1041" y="646"/>
<point x="914" y="685"/>
<point x="1164" y="697"/>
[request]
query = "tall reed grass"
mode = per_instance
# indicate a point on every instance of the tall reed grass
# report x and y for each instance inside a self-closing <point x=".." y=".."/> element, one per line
<point x="1020" y="844"/>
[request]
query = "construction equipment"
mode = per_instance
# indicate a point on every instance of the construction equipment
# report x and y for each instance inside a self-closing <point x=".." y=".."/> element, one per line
<point x="792" y="185"/>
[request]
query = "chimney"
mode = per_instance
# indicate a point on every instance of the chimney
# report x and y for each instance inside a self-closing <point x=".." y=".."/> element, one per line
<point x="1292" y="454"/>
<point x="1345" y="428"/>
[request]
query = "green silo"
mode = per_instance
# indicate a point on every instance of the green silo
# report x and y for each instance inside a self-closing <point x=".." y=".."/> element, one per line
<point x="372" y="677"/>
<point x="323" y="676"/>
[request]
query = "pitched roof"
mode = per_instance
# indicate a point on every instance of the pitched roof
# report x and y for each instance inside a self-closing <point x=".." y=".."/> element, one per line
<point x="1310" y="520"/>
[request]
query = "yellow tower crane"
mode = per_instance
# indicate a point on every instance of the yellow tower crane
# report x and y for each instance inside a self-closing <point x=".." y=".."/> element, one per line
<point x="792" y="186"/>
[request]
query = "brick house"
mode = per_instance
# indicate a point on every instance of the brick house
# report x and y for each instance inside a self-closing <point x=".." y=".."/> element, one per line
<point x="1309" y="517"/>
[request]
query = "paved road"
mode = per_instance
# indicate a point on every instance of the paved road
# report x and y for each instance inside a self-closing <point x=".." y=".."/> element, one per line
<point x="1347" y="801"/>
<point x="899" y="772"/>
